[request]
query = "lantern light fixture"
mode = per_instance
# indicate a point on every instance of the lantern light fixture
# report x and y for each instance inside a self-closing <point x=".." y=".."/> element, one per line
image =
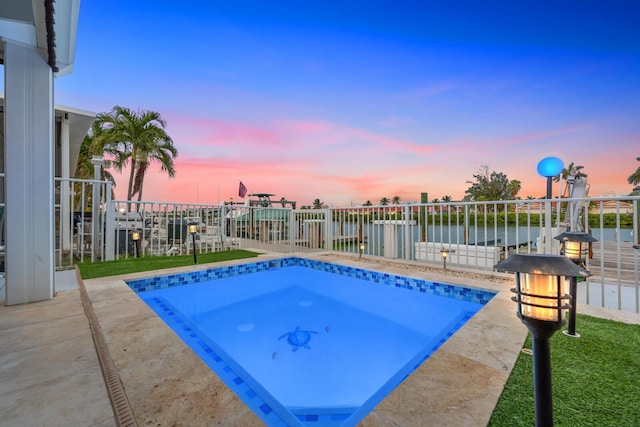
<point x="575" y="246"/>
<point x="541" y="305"/>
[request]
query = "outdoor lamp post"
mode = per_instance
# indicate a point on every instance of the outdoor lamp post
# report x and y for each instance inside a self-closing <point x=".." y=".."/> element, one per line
<point x="192" y="230"/>
<point x="135" y="236"/>
<point x="541" y="302"/>
<point x="549" y="167"/>
<point x="575" y="246"/>
<point x="445" y="253"/>
<point x="361" y="248"/>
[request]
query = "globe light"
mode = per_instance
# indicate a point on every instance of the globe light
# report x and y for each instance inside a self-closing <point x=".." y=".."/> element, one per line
<point x="550" y="167"/>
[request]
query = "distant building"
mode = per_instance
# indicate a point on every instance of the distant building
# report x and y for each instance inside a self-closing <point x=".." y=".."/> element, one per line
<point x="610" y="206"/>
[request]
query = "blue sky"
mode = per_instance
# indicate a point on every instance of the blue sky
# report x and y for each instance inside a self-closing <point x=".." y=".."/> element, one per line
<point x="355" y="101"/>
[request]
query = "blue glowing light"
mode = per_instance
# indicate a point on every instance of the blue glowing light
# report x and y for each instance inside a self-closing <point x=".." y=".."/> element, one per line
<point x="550" y="166"/>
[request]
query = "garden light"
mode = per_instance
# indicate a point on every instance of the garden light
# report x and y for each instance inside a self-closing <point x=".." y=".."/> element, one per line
<point x="541" y="304"/>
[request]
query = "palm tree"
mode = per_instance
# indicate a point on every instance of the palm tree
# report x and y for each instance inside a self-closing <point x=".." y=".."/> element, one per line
<point x="136" y="136"/>
<point x="634" y="178"/>
<point x="513" y="188"/>
<point x="570" y="170"/>
<point x="384" y="201"/>
<point x="368" y="203"/>
<point x="395" y="200"/>
<point x="317" y="204"/>
<point x="85" y="169"/>
<point x="446" y="199"/>
<point x="436" y="208"/>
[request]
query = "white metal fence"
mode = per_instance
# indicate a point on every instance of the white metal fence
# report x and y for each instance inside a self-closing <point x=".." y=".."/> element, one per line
<point x="473" y="235"/>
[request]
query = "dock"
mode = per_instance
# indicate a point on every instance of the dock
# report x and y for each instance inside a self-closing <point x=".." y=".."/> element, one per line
<point x="604" y="261"/>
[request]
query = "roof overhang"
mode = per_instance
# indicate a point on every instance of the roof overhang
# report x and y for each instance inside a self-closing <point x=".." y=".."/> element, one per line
<point x="79" y="123"/>
<point x="24" y="21"/>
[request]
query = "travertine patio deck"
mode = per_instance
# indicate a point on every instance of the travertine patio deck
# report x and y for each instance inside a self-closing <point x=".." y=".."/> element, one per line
<point x="49" y="372"/>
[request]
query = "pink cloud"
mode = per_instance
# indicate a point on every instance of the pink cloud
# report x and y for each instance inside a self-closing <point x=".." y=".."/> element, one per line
<point x="536" y="136"/>
<point x="308" y="159"/>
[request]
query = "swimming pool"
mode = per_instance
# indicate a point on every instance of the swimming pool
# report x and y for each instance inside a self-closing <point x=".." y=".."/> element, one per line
<point x="304" y="342"/>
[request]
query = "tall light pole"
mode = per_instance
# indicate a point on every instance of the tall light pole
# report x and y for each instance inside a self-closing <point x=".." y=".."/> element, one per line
<point x="549" y="167"/>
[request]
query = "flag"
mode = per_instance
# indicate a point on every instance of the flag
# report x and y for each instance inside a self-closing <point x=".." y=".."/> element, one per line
<point x="242" y="190"/>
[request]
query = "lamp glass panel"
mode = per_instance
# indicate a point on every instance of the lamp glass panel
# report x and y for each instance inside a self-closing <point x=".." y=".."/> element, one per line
<point x="565" y="288"/>
<point x="135" y="235"/>
<point x="541" y="285"/>
<point x="575" y="250"/>
<point x="192" y="228"/>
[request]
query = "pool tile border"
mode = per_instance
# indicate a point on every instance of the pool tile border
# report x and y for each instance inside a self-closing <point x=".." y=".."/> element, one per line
<point x="183" y="328"/>
<point x="478" y="296"/>
<point x="231" y="378"/>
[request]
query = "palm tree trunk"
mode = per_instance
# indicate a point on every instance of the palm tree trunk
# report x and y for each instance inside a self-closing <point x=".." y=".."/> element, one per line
<point x="140" y="190"/>
<point x="134" y="164"/>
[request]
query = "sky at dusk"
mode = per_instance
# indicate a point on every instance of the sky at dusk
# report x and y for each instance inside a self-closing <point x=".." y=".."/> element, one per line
<point x="353" y="101"/>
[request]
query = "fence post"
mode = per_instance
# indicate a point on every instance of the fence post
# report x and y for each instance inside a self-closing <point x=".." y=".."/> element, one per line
<point x="66" y="218"/>
<point x="97" y="162"/>
<point x="293" y="231"/>
<point x="328" y="234"/>
<point x="223" y="225"/>
<point x="110" y="226"/>
<point x="408" y="243"/>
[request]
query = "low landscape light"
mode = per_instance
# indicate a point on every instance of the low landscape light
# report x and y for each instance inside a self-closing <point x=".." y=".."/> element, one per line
<point x="135" y="236"/>
<point x="193" y="228"/>
<point x="445" y="253"/>
<point x="361" y="249"/>
<point x="541" y="303"/>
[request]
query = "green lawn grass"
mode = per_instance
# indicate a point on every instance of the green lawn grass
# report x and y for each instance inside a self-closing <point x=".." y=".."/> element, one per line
<point x="89" y="270"/>
<point x="596" y="379"/>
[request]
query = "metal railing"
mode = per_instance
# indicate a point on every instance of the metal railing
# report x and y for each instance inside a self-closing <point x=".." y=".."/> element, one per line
<point x="473" y="235"/>
<point x="80" y="213"/>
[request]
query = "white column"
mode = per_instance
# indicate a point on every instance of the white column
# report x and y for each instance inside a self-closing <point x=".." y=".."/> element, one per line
<point x="66" y="222"/>
<point x="29" y="159"/>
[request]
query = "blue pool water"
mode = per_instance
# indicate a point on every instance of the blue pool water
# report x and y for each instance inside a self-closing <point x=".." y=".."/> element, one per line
<point x="303" y="342"/>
